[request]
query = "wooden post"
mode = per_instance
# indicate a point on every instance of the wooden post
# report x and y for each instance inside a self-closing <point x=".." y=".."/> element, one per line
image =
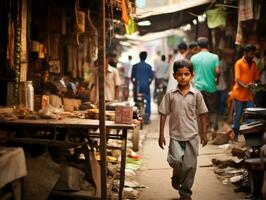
<point x="23" y="53"/>
<point x="102" y="60"/>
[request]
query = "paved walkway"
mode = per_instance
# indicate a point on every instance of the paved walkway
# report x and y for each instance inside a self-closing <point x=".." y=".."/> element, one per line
<point x="155" y="172"/>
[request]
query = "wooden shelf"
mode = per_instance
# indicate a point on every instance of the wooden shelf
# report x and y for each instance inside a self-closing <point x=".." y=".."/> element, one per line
<point x="78" y="194"/>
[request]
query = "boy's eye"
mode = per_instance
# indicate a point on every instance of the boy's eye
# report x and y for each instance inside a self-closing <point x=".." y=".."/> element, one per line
<point x="183" y="74"/>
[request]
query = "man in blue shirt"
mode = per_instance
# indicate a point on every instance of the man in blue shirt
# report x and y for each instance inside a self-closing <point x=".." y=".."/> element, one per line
<point x="141" y="77"/>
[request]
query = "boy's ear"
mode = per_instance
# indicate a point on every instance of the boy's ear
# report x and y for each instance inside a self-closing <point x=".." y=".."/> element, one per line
<point x="174" y="75"/>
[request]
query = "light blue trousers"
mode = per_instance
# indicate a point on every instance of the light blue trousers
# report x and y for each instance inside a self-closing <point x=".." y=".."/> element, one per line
<point x="182" y="157"/>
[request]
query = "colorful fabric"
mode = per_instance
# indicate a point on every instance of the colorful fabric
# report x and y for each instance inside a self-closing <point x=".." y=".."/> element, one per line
<point x="124" y="17"/>
<point x="245" y="10"/>
<point x="131" y="26"/>
<point x="216" y="17"/>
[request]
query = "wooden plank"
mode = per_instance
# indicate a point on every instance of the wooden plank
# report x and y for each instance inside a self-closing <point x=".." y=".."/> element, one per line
<point x="78" y="194"/>
<point x="65" y="123"/>
<point x="46" y="142"/>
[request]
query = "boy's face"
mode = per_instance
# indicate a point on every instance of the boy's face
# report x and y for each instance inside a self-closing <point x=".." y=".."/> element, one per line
<point x="183" y="76"/>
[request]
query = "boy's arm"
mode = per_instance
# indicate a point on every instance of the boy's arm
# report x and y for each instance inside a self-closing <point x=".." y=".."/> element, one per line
<point x="161" y="140"/>
<point x="203" y="129"/>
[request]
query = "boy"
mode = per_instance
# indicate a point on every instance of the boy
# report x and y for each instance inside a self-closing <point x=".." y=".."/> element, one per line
<point x="184" y="104"/>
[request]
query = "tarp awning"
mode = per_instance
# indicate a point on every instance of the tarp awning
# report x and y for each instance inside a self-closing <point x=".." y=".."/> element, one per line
<point x="172" y="20"/>
<point x="169" y="8"/>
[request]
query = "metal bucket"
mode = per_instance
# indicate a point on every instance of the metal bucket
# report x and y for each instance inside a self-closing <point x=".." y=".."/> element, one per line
<point x="26" y="94"/>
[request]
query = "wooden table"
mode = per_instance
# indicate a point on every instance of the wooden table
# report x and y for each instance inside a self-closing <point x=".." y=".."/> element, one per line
<point x="84" y="127"/>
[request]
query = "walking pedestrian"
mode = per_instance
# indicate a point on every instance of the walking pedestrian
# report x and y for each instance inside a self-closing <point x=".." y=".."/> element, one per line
<point x="141" y="77"/>
<point x="112" y="83"/>
<point x="206" y="66"/>
<point x="261" y="89"/>
<point x="221" y="87"/>
<point x="193" y="48"/>
<point x="183" y="105"/>
<point x="126" y="74"/>
<point x="156" y="62"/>
<point x="246" y="74"/>
<point x="160" y="74"/>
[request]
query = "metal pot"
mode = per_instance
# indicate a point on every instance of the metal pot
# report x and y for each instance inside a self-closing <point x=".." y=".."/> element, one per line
<point x="26" y="94"/>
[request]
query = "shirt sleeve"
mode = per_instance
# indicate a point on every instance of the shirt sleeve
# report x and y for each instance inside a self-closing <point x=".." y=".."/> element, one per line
<point x="237" y="71"/>
<point x="164" y="107"/>
<point x="217" y="62"/>
<point x="200" y="104"/>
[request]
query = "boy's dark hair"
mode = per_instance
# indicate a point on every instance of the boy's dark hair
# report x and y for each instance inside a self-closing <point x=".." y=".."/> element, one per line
<point x="143" y="55"/>
<point x="183" y="63"/>
<point x="250" y="47"/>
<point x="203" y="42"/>
<point x="182" y="46"/>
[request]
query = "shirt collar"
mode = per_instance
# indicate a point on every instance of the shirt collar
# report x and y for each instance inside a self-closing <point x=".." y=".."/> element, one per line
<point x="191" y="89"/>
<point x="245" y="61"/>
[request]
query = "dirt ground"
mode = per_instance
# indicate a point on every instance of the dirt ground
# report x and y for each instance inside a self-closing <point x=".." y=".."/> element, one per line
<point x="155" y="172"/>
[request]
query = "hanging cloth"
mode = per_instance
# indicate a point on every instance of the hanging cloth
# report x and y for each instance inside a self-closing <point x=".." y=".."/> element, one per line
<point x="216" y="17"/>
<point x="245" y="10"/>
<point x="125" y="17"/>
<point x="131" y="27"/>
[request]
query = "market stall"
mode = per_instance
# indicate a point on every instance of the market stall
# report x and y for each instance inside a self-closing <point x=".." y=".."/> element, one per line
<point x="69" y="133"/>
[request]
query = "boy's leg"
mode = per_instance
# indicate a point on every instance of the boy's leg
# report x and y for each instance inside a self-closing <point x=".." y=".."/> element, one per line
<point x="174" y="158"/>
<point x="189" y="166"/>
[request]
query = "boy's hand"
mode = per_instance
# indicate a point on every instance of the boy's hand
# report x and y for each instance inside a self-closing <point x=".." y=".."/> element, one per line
<point x="162" y="142"/>
<point x="203" y="140"/>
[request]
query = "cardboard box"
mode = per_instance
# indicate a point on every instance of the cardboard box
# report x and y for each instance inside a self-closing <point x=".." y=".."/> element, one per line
<point x="41" y="102"/>
<point x="123" y="114"/>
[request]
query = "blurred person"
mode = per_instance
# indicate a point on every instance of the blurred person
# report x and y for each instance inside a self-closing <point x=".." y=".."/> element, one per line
<point x="246" y="74"/>
<point x="126" y="74"/>
<point x="170" y="56"/>
<point x="160" y="72"/>
<point x="112" y="83"/>
<point x="156" y="62"/>
<point x="141" y="78"/>
<point x="261" y="89"/>
<point x="206" y="66"/>
<point x="221" y="87"/>
<point x="181" y="54"/>
<point x="183" y="105"/>
<point x="193" y="48"/>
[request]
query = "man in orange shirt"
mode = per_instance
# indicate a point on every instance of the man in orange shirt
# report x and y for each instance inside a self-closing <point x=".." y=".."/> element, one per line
<point x="246" y="74"/>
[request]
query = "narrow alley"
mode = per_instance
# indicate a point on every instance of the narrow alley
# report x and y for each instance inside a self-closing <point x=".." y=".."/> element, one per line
<point x="155" y="173"/>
